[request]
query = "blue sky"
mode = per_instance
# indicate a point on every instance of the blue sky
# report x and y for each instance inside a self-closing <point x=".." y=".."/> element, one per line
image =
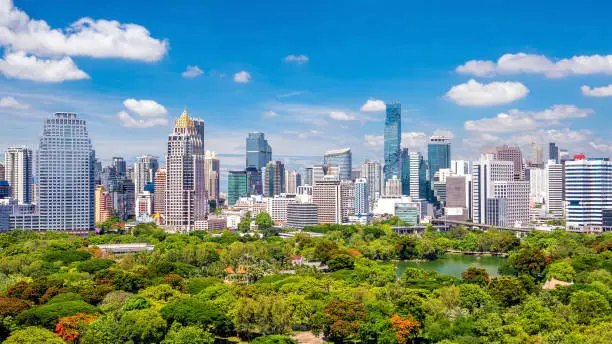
<point x="529" y="61"/>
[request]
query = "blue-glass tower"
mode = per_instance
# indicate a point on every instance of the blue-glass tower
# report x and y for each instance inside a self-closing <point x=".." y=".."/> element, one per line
<point x="258" y="151"/>
<point x="405" y="157"/>
<point x="438" y="154"/>
<point x="393" y="137"/>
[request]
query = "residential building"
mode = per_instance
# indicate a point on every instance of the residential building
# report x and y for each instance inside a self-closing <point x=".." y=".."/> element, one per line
<point x="159" y="205"/>
<point x="392" y="140"/>
<point x="2" y="172"/>
<point x="145" y="204"/>
<point x="144" y="172"/>
<point x="555" y="191"/>
<point x="484" y="173"/>
<point x="509" y="153"/>
<point x="516" y="196"/>
<point x="361" y="199"/>
<point x="212" y="175"/>
<point x="236" y="186"/>
<point x="393" y="187"/>
<point x="18" y="170"/>
<point x="301" y="215"/>
<point x="458" y="197"/>
<point x="97" y="172"/>
<point x="292" y="180"/>
<point x="347" y="199"/>
<point x="186" y="200"/>
<point x="274" y="179"/>
<point x="103" y="204"/>
<point x="438" y="154"/>
<point x="439" y="184"/>
<point x="538" y="189"/>
<point x="537" y="155"/>
<point x="588" y="190"/>
<point x="326" y="195"/>
<point x="341" y="158"/>
<point x="372" y="172"/>
<point x="461" y="167"/>
<point x="277" y="207"/>
<point x="120" y="167"/>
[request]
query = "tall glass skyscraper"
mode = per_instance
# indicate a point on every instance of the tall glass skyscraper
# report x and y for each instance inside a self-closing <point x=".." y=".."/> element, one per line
<point x="438" y="155"/>
<point x="393" y="137"/>
<point x="65" y="172"/>
<point x="258" y="150"/>
<point x="405" y="177"/>
<point x="237" y="186"/>
<point x="343" y="159"/>
<point x="18" y="173"/>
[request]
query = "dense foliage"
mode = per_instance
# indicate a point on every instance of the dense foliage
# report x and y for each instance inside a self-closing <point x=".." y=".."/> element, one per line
<point x="196" y="287"/>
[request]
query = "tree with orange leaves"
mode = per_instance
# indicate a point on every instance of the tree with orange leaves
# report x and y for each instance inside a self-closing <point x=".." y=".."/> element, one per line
<point x="70" y="328"/>
<point x="405" y="328"/>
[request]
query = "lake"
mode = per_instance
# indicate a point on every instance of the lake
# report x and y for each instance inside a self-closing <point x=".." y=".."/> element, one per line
<point x="454" y="264"/>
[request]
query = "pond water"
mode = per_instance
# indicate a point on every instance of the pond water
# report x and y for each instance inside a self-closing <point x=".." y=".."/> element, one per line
<point x="454" y="265"/>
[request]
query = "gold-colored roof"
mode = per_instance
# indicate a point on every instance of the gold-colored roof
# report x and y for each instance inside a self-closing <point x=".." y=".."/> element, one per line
<point x="184" y="121"/>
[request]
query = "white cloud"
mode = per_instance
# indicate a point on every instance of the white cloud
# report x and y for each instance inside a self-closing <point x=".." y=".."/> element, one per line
<point x="145" y="108"/>
<point x="21" y="66"/>
<point x="558" y="112"/>
<point x="604" y="147"/>
<point x="341" y="116"/>
<point x="290" y="94"/>
<point x="242" y="77"/>
<point x="373" y="105"/>
<point x="85" y="37"/>
<point x="299" y="59"/>
<point x="374" y="140"/>
<point x="414" y="140"/>
<point x="539" y="64"/>
<point x="130" y="122"/>
<point x="501" y="123"/>
<point x="474" y="93"/>
<point x="605" y="91"/>
<point x="192" y="72"/>
<point x="270" y="114"/>
<point x="12" y="103"/>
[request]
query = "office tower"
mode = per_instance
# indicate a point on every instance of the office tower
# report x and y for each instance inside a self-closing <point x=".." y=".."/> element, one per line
<point x="326" y="195"/>
<point x="18" y="172"/>
<point x="458" y="197"/>
<point x="308" y="178"/>
<point x="5" y="189"/>
<point x="144" y="172"/>
<point x="212" y="174"/>
<point x="408" y="212"/>
<point x="496" y="210"/>
<point x="109" y="178"/>
<point x="341" y="158"/>
<point x="97" y="172"/>
<point x="2" y="174"/>
<point x="104" y="204"/>
<point x="255" y="180"/>
<point x="292" y="181"/>
<point x="509" y="153"/>
<point x="588" y="190"/>
<point x="553" y="152"/>
<point x="460" y="167"/>
<point x="484" y="173"/>
<point x="438" y="154"/>
<point x="124" y="200"/>
<point x="159" y="205"/>
<point x="563" y="155"/>
<point x="129" y="174"/>
<point x="120" y="167"/>
<point x="277" y="207"/>
<point x="65" y="175"/>
<point x="186" y="200"/>
<point x="392" y="140"/>
<point x="372" y="172"/>
<point x="418" y="176"/>
<point x="555" y="191"/>
<point x="361" y="200"/>
<point x="302" y="215"/>
<point x="537" y="155"/>
<point x="405" y="177"/>
<point x="274" y="180"/>
<point x="145" y="204"/>
<point x="439" y="184"/>
<point x="393" y="187"/>
<point x="320" y="172"/>
<point x="516" y="196"/>
<point x="347" y="199"/>
<point x="258" y="150"/>
<point x="538" y="185"/>
<point x="236" y="186"/>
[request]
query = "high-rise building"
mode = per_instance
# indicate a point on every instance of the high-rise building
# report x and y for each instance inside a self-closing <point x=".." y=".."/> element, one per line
<point x="321" y="172"/>
<point x="509" y="153"/>
<point x="484" y="173"/>
<point x="144" y="172"/>
<point x="301" y="215"/>
<point x="292" y="180"/>
<point x="186" y="200"/>
<point x="341" y="158"/>
<point x="460" y="167"/>
<point x="418" y="176"/>
<point x="393" y="187"/>
<point x="563" y="155"/>
<point x="159" y="205"/>
<point x="145" y="204"/>
<point x="538" y="185"/>
<point x="405" y="158"/>
<point x="588" y="190"/>
<point x="212" y="175"/>
<point x="439" y="184"/>
<point x="308" y="178"/>
<point x="555" y="189"/>
<point x="103" y="204"/>
<point x="392" y="140"/>
<point x="537" y="155"/>
<point x="277" y="207"/>
<point x="258" y="150"/>
<point x="516" y="196"/>
<point x="109" y="178"/>
<point x="274" y="180"/>
<point x="438" y="154"/>
<point x="5" y="190"/>
<point x="65" y="175"/>
<point x="255" y="178"/>
<point x="372" y="172"/>
<point x="2" y="174"/>
<point x="326" y="195"/>
<point x="458" y="197"/>
<point x="124" y="200"/>
<point x="553" y="152"/>
<point x="361" y="200"/>
<point x="19" y="163"/>
<point x="236" y="186"/>
<point x="120" y="167"/>
<point x="347" y="199"/>
<point x="97" y="172"/>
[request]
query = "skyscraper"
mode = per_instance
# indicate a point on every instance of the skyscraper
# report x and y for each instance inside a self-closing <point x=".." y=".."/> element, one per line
<point x="2" y="174"/>
<point x="103" y="204"/>
<point x="236" y="186"/>
<point x="258" y="150"/>
<point x="144" y="172"/>
<point x="326" y="195"/>
<point x="159" y="205"/>
<point x="405" y="177"/>
<point x="438" y="154"/>
<point x="341" y="158"/>
<point x="120" y="167"/>
<point x="588" y="185"/>
<point x="418" y="176"/>
<point x="509" y="153"/>
<point x="347" y="199"/>
<point x="393" y="187"/>
<point x="553" y="152"/>
<point x="554" y="197"/>
<point x="372" y="172"/>
<point x="65" y="173"/>
<point x="212" y="173"/>
<point x="537" y="155"/>
<point x="274" y="180"/>
<point x="292" y="180"/>
<point x="186" y="200"/>
<point x="308" y="179"/>
<point x="393" y="137"/>
<point x="361" y="200"/>
<point x="18" y="172"/>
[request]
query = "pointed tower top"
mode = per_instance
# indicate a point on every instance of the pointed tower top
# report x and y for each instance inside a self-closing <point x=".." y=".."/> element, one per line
<point x="184" y="121"/>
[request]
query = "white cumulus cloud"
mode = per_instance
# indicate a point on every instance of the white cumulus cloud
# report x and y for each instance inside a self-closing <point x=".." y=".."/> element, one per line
<point x="414" y="140"/>
<point x="299" y="59"/>
<point x="373" y="105"/>
<point x="13" y="104"/>
<point x="341" y="116"/>
<point x="559" y="112"/>
<point x="473" y="93"/>
<point x="539" y="64"/>
<point x="18" y="65"/>
<point x="143" y="114"/>
<point x="145" y="108"/>
<point x="242" y="77"/>
<point x="130" y="122"/>
<point x="604" y="91"/>
<point x="192" y="72"/>
<point x="270" y="114"/>
<point x="374" y="140"/>
<point x="503" y="122"/>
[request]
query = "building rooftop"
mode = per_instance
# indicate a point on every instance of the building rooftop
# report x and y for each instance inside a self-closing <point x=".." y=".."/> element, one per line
<point x="337" y="151"/>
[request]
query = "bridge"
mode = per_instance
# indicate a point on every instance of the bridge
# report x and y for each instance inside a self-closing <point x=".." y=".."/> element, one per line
<point x="478" y="225"/>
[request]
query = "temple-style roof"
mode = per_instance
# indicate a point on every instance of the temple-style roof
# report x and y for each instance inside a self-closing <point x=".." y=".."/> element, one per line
<point x="184" y="121"/>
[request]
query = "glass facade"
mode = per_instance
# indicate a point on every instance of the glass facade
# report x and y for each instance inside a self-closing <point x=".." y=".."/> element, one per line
<point x="438" y="154"/>
<point x="343" y="159"/>
<point x="405" y="156"/>
<point x="236" y="186"/>
<point x="258" y="150"/>
<point x="393" y="136"/>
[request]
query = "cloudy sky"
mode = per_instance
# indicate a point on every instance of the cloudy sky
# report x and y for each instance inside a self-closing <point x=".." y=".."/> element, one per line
<point x="313" y="75"/>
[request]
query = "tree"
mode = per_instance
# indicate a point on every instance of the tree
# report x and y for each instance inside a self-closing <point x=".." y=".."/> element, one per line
<point x="142" y="326"/>
<point x="273" y="339"/>
<point x="341" y="261"/>
<point x="530" y="260"/>
<point x="200" y="313"/>
<point x="264" y="221"/>
<point x="263" y="315"/>
<point x="561" y="270"/>
<point x="245" y="225"/>
<point x="478" y="276"/>
<point x="179" y="334"/>
<point x="405" y="328"/>
<point x="342" y="319"/>
<point x="46" y="315"/>
<point x="588" y="306"/>
<point x="507" y="291"/>
<point x="472" y="297"/>
<point x="70" y="328"/>
<point x="33" y="335"/>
